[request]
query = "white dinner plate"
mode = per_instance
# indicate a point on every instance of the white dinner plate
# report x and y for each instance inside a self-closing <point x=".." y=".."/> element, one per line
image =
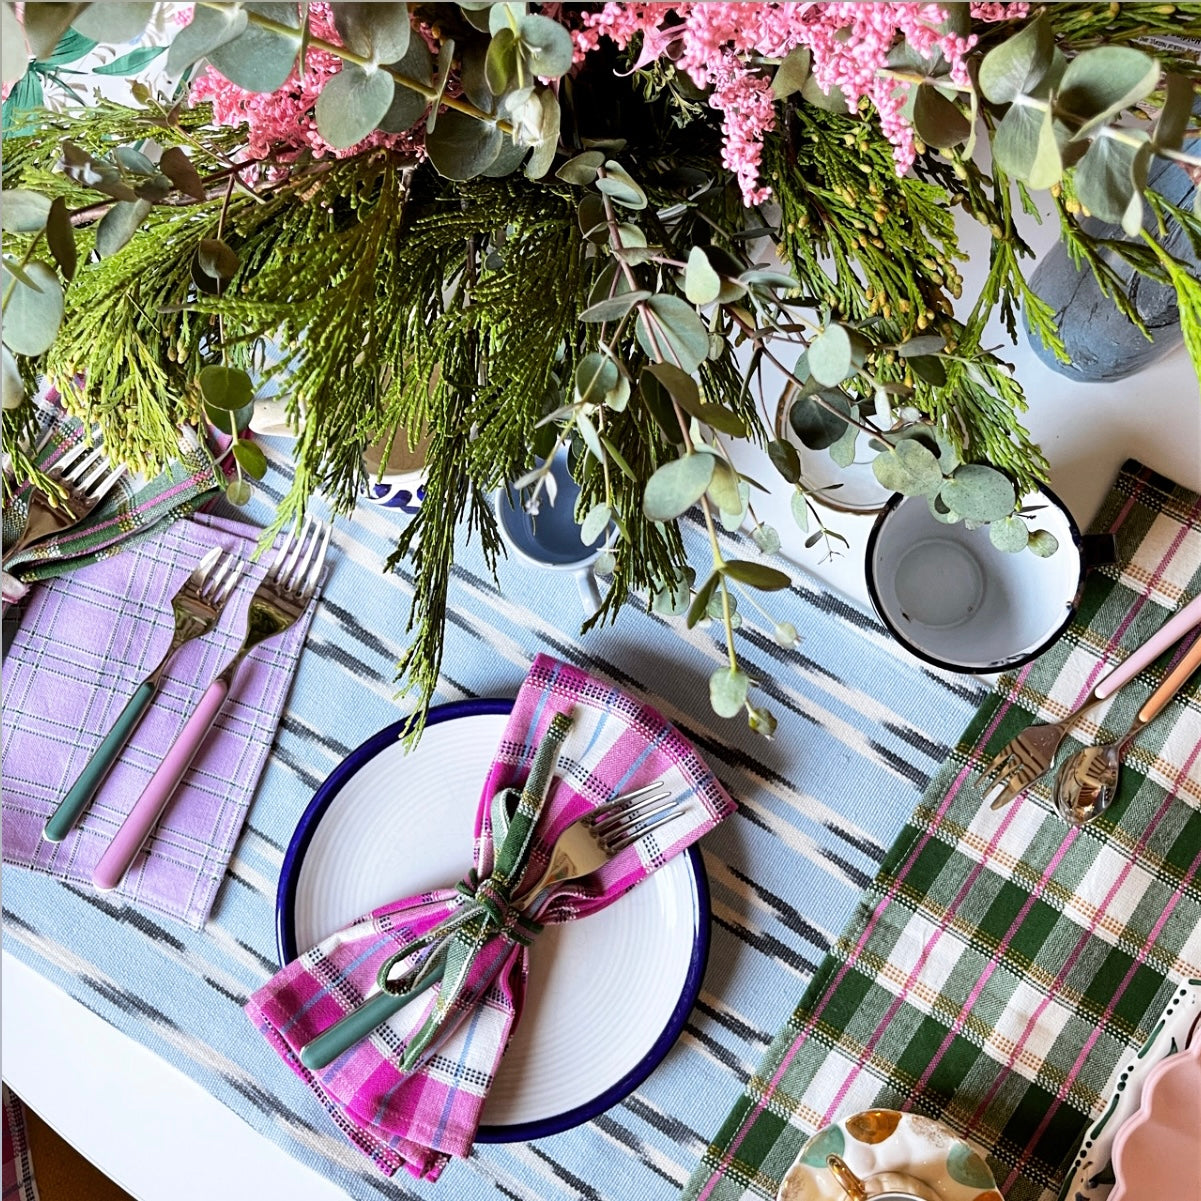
<point x="609" y="994"/>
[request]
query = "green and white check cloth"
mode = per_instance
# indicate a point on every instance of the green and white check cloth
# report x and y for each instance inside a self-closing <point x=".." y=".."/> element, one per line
<point x="1003" y="967"/>
<point x="131" y="511"/>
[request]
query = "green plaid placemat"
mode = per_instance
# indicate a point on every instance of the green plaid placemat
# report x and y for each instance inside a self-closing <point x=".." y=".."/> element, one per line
<point x="1002" y="966"/>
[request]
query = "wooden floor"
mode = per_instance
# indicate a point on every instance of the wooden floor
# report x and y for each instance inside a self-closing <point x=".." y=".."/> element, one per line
<point x="62" y="1173"/>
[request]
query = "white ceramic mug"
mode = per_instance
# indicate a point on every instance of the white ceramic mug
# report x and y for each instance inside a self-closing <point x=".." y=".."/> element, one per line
<point x="551" y="538"/>
<point x="951" y="598"/>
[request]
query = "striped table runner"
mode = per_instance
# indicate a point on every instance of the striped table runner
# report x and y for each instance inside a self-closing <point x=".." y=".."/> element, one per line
<point x="1002" y="967"/>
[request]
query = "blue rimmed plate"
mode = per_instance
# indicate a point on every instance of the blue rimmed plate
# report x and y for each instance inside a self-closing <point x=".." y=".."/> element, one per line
<point x="608" y="994"/>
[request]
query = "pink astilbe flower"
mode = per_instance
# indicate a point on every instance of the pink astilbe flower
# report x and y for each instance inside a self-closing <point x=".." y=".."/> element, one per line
<point x="849" y="44"/>
<point x="281" y="123"/>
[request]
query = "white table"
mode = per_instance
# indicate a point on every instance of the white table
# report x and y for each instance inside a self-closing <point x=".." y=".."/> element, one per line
<point x="138" y="1119"/>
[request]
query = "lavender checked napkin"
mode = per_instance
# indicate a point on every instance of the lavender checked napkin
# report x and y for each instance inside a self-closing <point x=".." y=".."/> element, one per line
<point x="83" y="644"/>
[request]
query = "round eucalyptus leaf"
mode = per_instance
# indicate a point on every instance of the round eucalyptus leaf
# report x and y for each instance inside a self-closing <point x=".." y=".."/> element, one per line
<point x="620" y="186"/>
<point x="33" y="315"/>
<point x="507" y="161"/>
<point x="181" y="171"/>
<point x="1017" y="65"/>
<point x="940" y="512"/>
<point x="1043" y="543"/>
<point x="406" y="109"/>
<point x="785" y="459"/>
<point x="700" y="604"/>
<point x="757" y="575"/>
<point x="1174" y="116"/>
<point x="505" y="14"/>
<point x="548" y="141"/>
<point x="13" y="392"/>
<point x="676" y="486"/>
<point x="792" y="73"/>
<point x="1098" y="84"/>
<point x="500" y="63"/>
<point x="596" y="375"/>
<point x="929" y="368"/>
<point x="605" y="563"/>
<point x="923" y="344"/>
<point x="800" y="511"/>
<point x="379" y="31"/>
<point x="701" y="282"/>
<point x="250" y="458"/>
<point x="832" y="101"/>
<point x="112" y="23"/>
<point x="786" y="635"/>
<point x="462" y="147"/>
<point x="547" y="44"/>
<point x="581" y="170"/>
<point x="208" y="29"/>
<point x="230" y="421"/>
<point x="831" y="355"/>
<point x="728" y="687"/>
<point x="593" y="224"/>
<point x="12" y="45"/>
<point x="590" y="437"/>
<point x="731" y="519"/>
<point x="1110" y="178"/>
<point x="613" y="308"/>
<point x="260" y="60"/>
<point x="238" y="492"/>
<point x="680" y="385"/>
<point x="352" y="104"/>
<point x="761" y="721"/>
<point x="723" y="489"/>
<point x="979" y="493"/>
<point x="45" y="24"/>
<point x="22" y="211"/>
<point x="1025" y="147"/>
<point x="595" y="522"/>
<point x="814" y="424"/>
<point x="909" y="468"/>
<point x="842" y="452"/>
<point x="767" y="539"/>
<point x="225" y="388"/>
<point x="216" y="258"/>
<point x="939" y="122"/>
<point x="1010" y="534"/>
<point x="669" y="329"/>
<point x="120" y="224"/>
<point x="60" y="237"/>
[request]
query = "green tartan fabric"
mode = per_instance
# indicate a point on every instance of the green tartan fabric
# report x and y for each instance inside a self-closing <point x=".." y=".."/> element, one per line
<point x="1002" y="967"/>
<point x="128" y="513"/>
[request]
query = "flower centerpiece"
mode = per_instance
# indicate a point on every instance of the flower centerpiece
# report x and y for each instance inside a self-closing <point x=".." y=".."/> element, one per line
<point x="512" y="228"/>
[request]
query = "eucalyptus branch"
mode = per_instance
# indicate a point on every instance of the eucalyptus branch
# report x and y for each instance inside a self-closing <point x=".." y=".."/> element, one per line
<point x="362" y="60"/>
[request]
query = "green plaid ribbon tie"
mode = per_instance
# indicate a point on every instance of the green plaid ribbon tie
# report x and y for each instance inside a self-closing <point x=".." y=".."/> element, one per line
<point x="466" y="950"/>
<point x="129" y="513"/>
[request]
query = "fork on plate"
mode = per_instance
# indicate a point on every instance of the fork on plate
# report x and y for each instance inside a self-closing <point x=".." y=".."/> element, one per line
<point x="582" y="847"/>
<point x="281" y="597"/>
<point x="85" y="476"/>
<point x="1028" y="756"/>
<point x="196" y="607"/>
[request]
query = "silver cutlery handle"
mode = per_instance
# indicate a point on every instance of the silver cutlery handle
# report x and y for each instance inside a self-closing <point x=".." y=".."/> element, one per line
<point x="71" y="807"/>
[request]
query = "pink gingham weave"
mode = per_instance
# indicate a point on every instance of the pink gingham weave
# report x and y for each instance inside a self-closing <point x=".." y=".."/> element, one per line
<point x="417" y="1120"/>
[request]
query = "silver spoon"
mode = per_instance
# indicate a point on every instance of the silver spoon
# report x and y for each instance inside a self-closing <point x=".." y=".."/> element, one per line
<point x="1088" y="780"/>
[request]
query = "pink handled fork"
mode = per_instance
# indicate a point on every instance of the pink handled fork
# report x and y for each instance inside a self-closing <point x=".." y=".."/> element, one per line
<point x="278" y="601"/>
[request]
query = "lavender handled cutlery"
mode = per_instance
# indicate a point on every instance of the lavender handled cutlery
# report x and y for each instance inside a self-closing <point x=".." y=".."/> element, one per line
<point x="277" y="602"/>
<point x="196" y="608"/>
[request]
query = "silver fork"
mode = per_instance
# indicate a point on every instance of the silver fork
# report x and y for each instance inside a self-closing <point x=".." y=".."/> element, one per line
<point x="277" y="602"/>
<point x="585" y="845"/>
<point x="1028" y="756"/>
<point x="196" y="607"/>
<point x="85" y="476"/>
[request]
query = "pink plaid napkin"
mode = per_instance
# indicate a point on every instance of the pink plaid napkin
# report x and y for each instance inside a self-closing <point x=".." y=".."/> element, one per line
<point x="418" y="1119"/>
<point x="84" y="643"/>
